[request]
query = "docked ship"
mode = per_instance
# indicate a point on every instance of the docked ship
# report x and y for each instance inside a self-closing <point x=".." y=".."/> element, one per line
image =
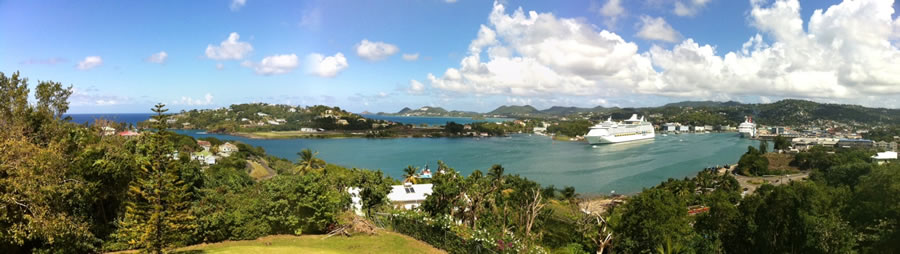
<point x="747" y="129"/>
<point x="609" y="132"/>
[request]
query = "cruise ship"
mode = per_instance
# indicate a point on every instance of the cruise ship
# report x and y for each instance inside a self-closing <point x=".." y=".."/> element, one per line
<point x="747" y="129"/>
<point x="609" y="132"/>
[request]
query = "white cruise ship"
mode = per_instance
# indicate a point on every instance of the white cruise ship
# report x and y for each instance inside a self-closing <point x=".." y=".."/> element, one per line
<point x="747" y="129"/>
<point x="616" y="132"/>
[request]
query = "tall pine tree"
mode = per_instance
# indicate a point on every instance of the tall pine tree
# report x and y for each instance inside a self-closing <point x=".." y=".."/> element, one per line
<point x="157" y="217"/>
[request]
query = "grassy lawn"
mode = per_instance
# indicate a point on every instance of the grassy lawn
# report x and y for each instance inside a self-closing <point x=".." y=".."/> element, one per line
<point x="383" y="242"/>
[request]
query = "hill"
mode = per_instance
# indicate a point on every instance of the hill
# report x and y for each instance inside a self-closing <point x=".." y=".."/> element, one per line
<point x="702" y="104"/>
<point x="514" y="110"/>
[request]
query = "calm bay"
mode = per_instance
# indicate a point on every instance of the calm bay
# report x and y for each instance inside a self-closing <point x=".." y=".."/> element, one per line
<point x="624" y="168"/>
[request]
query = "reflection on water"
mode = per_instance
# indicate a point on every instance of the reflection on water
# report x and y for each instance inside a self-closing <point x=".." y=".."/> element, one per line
<point x="622" y="146"/>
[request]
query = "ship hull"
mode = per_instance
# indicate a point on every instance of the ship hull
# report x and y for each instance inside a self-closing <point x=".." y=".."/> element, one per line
<point x="609" y="139"/>
<point x="746" y="134"/>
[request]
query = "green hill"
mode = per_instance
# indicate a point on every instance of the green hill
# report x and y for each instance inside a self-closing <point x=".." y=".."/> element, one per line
<point x="514" y="110"/>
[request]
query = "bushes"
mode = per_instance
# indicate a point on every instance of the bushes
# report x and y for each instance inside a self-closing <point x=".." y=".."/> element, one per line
<point x="444" y="234"/>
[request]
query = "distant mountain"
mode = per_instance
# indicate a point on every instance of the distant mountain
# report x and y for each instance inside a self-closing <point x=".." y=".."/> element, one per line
<point x="702" y="104"/>
<point x="514" y="110"/>
<point x="427" y="111"/>
<point x="557" y="110"/>
<point x="404" y="111"/>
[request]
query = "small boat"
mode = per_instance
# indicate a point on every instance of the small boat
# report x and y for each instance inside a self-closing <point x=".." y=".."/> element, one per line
<point x="665" y="135"/>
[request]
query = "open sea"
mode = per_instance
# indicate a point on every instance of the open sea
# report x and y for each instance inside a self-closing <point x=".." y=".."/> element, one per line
<point x="623" y="168"/>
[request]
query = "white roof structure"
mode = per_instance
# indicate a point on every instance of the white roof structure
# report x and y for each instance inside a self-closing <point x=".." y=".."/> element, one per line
<point x="885" y="156"/>
<point x="409" y="192"/>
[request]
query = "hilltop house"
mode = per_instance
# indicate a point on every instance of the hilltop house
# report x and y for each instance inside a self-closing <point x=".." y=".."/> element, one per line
<point x="204" y="144"/>
<point x="129" y="134"/>
<point x="205" y="157"/>
<point x="226" y="149"/>
<point x="409" y="196"/>
<point x="342" y="122"/>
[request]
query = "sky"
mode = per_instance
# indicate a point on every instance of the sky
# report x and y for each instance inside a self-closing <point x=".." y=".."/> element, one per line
<point x="381" y="56"/>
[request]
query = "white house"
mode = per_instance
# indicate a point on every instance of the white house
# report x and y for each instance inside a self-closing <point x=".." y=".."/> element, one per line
<point x="409" y="196"/>
<point x="885" y="157"/>
<point x="307" y="129"/>
<point x="699" y="128"/>
<point x="108" y="131"/>
<point x="670" y="127"/>
<point x="226" y="149"/>
<point x="261" y="114"/>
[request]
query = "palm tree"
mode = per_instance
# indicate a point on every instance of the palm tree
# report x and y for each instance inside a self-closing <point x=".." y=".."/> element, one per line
<point x="496" y="174"/>
<point x="409" y="173"/>
<point x="309" y="162"/>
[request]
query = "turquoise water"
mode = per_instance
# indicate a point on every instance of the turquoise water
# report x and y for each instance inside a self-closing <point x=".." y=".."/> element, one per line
<point x="623" y="168"/>
<point x="132" y="118"/>
<point x="433" y="120"/>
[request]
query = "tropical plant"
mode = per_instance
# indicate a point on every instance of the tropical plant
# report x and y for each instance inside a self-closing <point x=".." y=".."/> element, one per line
<point x="309" y="162"/>
<point x="409" y="174"/>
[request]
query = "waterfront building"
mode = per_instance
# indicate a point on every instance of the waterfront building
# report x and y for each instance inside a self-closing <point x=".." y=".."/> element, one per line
<point x="670" y="127"/>
<point x="699" y="128"/>
<point x="307" y="129"/>
<point x="409" y="196"/>
<point x="805" y="143"/>
<point x="684" y="128"/>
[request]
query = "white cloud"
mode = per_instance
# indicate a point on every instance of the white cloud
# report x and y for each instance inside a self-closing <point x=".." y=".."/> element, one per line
<point x="657" y="29"/>
<point x="687" y="8"/>
<point x="188" y="101"/>
<point x="90" y="62"/>
<point x="237" y="4"/>
<point x="411" y="57"/>
<point x="91" y="96"/>
<point x="845" y="55"/>
<point x="220" y="66"/>
<point x="229" y="49"/>
<point x="450" y="1"/>
<point x="612" y="10"/>
<point x="415" y="87"/>
<point x="159" y="58"/>
<point x="326" y="67"/>
<point x="374" y="51"/>
<point x="277" y="64"/>
<point x="311" y="18"/>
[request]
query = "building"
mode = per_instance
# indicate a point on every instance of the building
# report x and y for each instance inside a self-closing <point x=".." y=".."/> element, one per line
<point x="204" y="144"/>
<point x="884" y="157"/>
<point x="342" y="122"/>
<point x="129" y="134"/>
<point x="856" y="143"/>
<point x="307" y="129"/>
<point x="356" y="200"/>
<point x="699" y="128"/>
<point x="684" y="128"/>
<point x="226" y="149"/>
<point x="670" y="127"/>
<point x="205" y="157"/>
<point x="409" y="196"/>
<point x="886" y="146"/>
<point x="803" y="144"/>
<point x="261" y="114"/>
<point x="108" y="131"/>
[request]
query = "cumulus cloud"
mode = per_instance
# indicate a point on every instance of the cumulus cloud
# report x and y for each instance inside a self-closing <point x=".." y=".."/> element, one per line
<point x="188" y="101"/>
<point x="612" y="10"/>
<point x="686" y="8"/>
<point x="90" y="62"/>
<point x="277" y="64"/>
<point x="326" y="67"/>
<point x="237" y="4"/>
<point x="411" y="57"/>
<point x="845" y="55"/>
<point x="415" y="87"/>
<point x="159" y="58"/>
<point x="374" y="51"/>
<point x="657" y="29"/>
<point x="229" y="49"/>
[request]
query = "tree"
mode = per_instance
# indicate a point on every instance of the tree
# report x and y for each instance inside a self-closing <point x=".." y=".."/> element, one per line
<point x="52" y="98"/>
<point x="409" y="174"/>
<point x="446" y="193"/>
<point x="648" y="219"/>
<point x="782" y="143"/>
<point x="374" y="188"/>
<point x="753" y="163"/>
<point x="309" y="162"/>
<point x="763" y="146"/>
<point x="157" y="216"/>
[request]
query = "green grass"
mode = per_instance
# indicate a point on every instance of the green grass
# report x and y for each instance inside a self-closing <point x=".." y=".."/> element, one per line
<point x="383" y="242"/>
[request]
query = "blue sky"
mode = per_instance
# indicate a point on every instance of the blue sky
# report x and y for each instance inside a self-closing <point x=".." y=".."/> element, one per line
<point x="124" y="56"/>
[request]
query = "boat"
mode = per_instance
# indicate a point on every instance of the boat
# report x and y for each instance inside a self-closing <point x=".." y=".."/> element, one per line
<point x="609" y="132"/>
<point x="747" y="129"/>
